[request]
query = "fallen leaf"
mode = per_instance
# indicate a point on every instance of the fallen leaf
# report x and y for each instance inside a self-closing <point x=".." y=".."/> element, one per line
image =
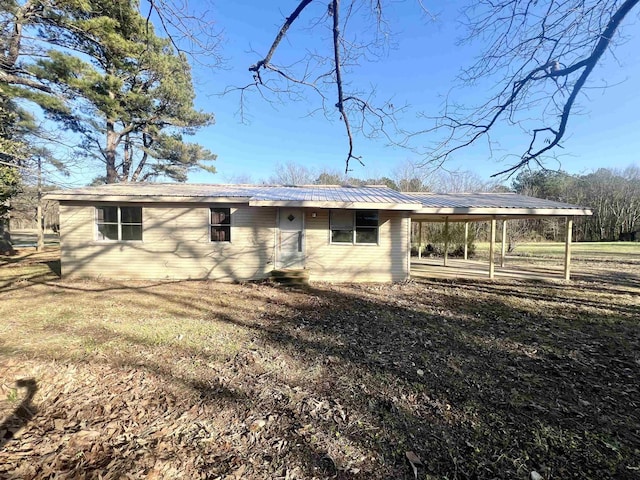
<point x="414" y="460"/>
<point x="257" y="425"/>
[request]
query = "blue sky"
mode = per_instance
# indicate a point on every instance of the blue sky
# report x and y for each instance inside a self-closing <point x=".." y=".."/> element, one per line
<point x="419" y="71"/>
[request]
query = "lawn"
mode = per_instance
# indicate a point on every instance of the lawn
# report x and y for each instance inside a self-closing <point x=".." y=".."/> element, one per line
<point x="579" y="250"/>
<point x="196" y="379"/>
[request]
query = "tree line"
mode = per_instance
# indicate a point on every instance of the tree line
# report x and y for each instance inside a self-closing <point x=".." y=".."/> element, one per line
<point x="406" y="177"/>
<point x="612" y="194"/>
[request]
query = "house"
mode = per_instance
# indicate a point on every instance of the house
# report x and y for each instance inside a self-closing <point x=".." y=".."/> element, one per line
<point x="244" y="232"/>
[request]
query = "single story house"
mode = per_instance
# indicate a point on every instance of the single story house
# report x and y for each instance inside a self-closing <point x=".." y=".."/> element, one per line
<point x="245" y="232"/>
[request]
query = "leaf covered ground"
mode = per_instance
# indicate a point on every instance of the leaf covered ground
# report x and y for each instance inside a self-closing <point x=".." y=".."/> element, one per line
<point x="191" y="379"/>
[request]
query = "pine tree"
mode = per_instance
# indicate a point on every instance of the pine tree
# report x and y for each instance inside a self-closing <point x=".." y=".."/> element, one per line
<point x="107" y="76"/>
<point x="13" y="150"/>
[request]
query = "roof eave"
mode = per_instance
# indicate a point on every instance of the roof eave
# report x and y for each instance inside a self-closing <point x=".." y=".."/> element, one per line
<point x="504" y="211"/>
<point x="144" y="198"/>
<point x="333" y="204"/>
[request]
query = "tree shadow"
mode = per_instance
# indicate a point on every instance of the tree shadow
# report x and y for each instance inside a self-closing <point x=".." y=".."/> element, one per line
<point x="23" y="412"/>
<point x="476" y="386"/>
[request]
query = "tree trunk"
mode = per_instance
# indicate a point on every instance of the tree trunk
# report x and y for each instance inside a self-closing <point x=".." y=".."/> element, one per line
<point x="40" y="243"/>
<point x="126" y="162"/>
<point x="110" y="153"/>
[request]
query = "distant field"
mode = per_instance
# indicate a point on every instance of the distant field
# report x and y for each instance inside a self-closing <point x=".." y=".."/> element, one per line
<point x="585" y="250"/>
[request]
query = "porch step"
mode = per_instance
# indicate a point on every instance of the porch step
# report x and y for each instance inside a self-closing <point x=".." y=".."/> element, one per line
<point x="291" y="276"/>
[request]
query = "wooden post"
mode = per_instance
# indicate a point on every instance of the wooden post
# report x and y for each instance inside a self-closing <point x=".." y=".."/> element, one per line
<point x="466" y="238"/>
<point x="446" y="240"/>
<point x="420" y="239"/>
<point x="409" y="232"/>
<point x="567" y="249"/>
<point x="503" y="244"/>
<point x="492" y="247"/>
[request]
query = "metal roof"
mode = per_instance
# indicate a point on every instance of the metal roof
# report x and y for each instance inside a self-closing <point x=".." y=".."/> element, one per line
<point x="499" y="204"/>
<point x="423" y="205"/>
<point x="320" y="196"/>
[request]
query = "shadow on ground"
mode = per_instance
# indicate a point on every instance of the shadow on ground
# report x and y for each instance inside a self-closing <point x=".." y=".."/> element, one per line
<point x="480" y="379"/>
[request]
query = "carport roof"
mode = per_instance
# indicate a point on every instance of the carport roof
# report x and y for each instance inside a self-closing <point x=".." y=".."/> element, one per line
<point x="463" y="206"/>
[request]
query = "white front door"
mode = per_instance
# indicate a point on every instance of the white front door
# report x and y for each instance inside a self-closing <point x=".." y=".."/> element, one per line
<point x="291" y="238"/>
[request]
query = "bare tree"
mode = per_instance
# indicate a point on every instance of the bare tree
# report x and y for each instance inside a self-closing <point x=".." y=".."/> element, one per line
<point x="190" y="30"/>
<point x="459" y="181"/>
<point x="540" y="55"/>
<point x="332" y="177"/>
<point x="292" y="174"/>
<point x="323" y="72"/>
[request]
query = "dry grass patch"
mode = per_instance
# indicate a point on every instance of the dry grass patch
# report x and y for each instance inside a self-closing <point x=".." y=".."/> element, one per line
<point x="205" y="380"/>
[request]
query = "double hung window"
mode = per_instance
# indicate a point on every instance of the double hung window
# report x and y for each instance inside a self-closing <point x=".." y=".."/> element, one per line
<point x="359" y="227"/>
<point x="220" y="224"/>
<point x="119" y="223"/>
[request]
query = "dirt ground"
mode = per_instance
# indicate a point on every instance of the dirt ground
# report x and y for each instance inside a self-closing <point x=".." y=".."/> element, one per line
<point x="195" y="379"/>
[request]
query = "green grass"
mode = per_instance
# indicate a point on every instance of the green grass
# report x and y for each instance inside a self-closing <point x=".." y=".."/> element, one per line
<point x="599" y="250"/>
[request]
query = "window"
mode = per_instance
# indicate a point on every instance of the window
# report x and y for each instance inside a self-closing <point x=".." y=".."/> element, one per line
<point x="359" y="227"/>
<point x="119" y="223"/>
<point x="366" y="226"/>
<point x="220" y="225"/>
<point x="341" y="226"/>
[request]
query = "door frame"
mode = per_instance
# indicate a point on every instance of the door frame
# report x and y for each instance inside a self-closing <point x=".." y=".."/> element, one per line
<point x="303" y="239"/>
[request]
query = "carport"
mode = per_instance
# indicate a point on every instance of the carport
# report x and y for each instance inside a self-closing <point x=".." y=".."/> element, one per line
<point x="493" y="208"/>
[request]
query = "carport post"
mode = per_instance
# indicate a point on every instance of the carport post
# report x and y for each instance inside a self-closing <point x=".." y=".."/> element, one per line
<point x="466" y="238"/>
<point x="446" y="240"/>
<point x="492" y="247"/>
<point x="503" y="248"/>
<point x="419" y="239"/>
<point x="567" y="249"/>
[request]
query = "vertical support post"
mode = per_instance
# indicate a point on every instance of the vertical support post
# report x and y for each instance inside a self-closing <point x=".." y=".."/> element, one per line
<point x="40" y="244"/>
<point x="419" y="239"/>
<point x="503" y="244"/>
<point x="446" y="240"/>
<point x="466" y="239"/>
<point x="409" y="231"/>
<point x="492" y="247"/>
<point x="567" y="249"/>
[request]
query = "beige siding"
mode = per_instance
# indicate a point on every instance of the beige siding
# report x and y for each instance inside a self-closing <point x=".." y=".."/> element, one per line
<point x="384" y="262"/>
<point x="175" y="245"/>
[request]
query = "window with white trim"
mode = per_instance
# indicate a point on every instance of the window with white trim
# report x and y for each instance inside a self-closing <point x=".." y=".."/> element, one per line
<point x="359" y="227"/>
<point x="220" y="224"/>
<point x="116" y="223"/>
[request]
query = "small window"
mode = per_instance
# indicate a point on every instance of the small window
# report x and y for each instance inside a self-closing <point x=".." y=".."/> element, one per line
<point x="359" y="227"/>
<point x="220" y="225"/>
<point x="119" y="223"/>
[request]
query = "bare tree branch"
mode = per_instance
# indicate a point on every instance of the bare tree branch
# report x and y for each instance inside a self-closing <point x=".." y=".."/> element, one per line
<point x="191" y="33"/>
<point x="571" y="38"/>
<point x="281" y="33"/>
<point x="338" y="70"/>
<point x="540" y="55"/>
<point x="356" y="113"/>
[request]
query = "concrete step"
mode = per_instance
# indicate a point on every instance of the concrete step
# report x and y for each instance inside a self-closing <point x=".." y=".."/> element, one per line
<point x="291" y="276"/>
